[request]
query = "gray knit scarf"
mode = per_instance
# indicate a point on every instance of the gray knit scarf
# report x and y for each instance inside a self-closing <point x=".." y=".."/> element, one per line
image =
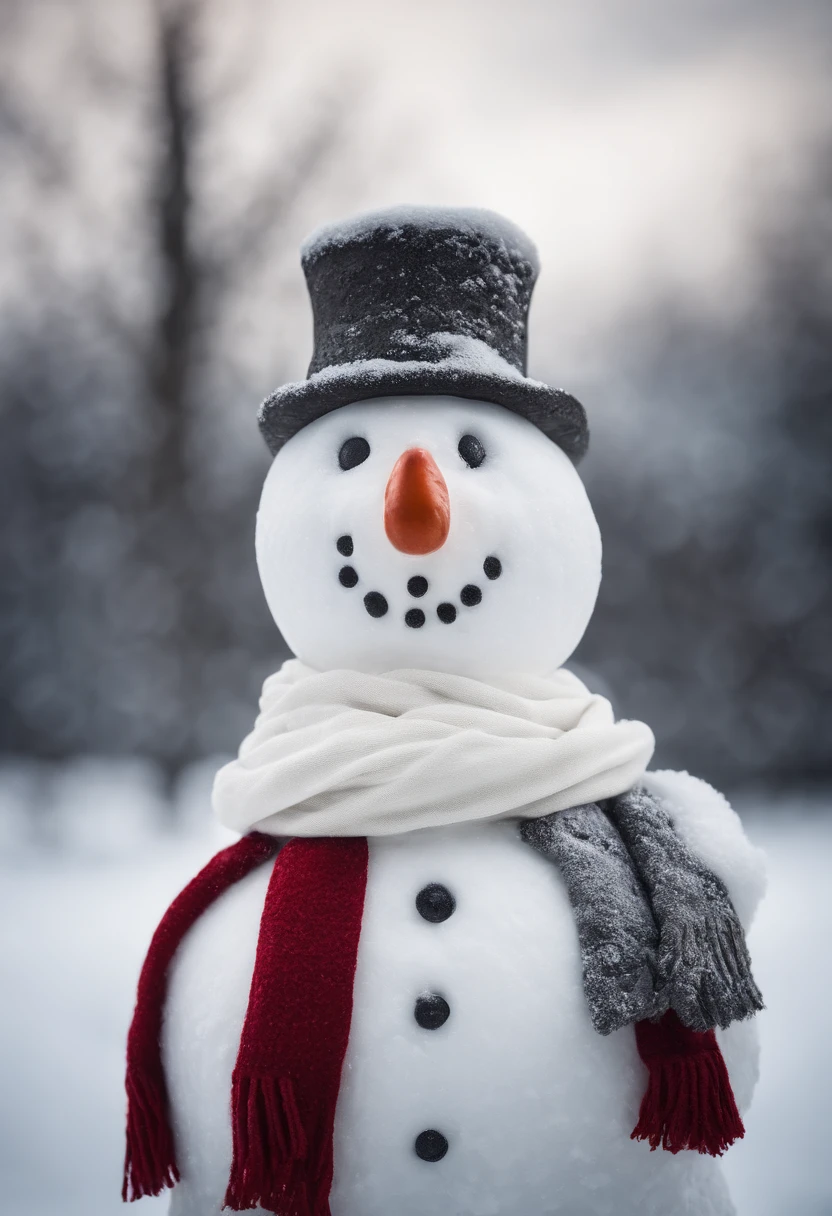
<point x="657" y="928"/>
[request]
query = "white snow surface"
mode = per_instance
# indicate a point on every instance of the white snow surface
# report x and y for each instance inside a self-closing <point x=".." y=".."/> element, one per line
<point x="78" y="909"/>
<point x="395" y="219"/>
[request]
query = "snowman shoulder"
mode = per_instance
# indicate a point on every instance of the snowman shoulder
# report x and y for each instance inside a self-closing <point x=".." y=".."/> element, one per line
<point x="208" y="986"/>
<point x="712" y="829"/>
<point x="210" y="976"/>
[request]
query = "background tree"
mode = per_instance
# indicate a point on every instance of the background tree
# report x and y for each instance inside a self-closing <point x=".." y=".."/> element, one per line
<point x="130" y="574"/>
<point x="713" y="620"/>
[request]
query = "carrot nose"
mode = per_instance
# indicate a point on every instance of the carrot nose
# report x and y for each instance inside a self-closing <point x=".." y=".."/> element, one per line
<point x="417" y="510"/>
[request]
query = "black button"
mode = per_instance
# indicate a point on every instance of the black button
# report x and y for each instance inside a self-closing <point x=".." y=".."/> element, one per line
<point x="470" y="595"/>
<point x="417" y="586"/>
<point x="432" y="1011"/>
<point x="344" y="546"/>
<point x="415" y="618"/>
<point x="492" y="567"/>
<point x="446" y="614"/>
<point x="347" y="577"/>
<point x="431" y="1145"/>
<point x="435" y="903"/>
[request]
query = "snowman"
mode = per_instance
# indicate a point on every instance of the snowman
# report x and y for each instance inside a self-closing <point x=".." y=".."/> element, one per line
<point x="469" y="957"/>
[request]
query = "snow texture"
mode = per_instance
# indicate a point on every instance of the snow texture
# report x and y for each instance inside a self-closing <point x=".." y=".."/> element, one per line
<point x="470" y="220"/>
<point x="447" y="352"/>
<point x="78" y="909"/>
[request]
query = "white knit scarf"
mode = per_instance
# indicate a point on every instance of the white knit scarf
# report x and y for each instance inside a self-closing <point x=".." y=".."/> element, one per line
<point x="342" y="753"/>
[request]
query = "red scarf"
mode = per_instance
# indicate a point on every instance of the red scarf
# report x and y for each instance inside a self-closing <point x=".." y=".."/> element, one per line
<point x="288" y="1071"/>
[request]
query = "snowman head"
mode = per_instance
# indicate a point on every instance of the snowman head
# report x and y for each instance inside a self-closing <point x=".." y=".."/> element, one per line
<point x="429" y="532"/>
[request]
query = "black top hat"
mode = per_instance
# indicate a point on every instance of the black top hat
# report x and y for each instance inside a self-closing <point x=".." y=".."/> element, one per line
<point x="419" y="300"/>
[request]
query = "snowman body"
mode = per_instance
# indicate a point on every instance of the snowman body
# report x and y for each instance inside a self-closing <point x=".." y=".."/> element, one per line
<point x="535" y="1107"/>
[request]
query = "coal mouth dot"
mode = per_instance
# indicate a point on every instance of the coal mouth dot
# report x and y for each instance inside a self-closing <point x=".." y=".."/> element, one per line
<point x="375" y="603"/>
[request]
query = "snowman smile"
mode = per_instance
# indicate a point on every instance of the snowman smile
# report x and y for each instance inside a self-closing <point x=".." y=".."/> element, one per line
<point x="377" y="605"/>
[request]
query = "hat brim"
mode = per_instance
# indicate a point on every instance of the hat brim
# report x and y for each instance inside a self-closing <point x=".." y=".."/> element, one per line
<point x="559" y="415"/>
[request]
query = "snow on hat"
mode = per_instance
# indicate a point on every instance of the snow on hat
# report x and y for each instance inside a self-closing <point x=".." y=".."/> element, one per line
<point x="422" y="300"/>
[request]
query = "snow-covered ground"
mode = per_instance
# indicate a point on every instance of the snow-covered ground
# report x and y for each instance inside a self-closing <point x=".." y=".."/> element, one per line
<point x="85" y="879"/>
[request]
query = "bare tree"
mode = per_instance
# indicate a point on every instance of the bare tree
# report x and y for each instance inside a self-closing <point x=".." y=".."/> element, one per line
<point x="195" y="281"/>
<point x="161" y="361"/>
<point x="713" y="617"/>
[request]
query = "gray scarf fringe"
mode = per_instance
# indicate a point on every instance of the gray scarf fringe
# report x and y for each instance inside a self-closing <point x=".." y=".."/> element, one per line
<point x="656" y="927"/>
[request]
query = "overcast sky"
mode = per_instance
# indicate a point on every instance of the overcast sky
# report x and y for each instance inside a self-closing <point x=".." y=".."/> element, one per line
<point x="639" y="142"/>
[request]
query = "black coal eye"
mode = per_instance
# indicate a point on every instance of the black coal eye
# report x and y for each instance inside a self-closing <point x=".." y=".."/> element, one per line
<point x="471" y="451"/>
<point x="354" y="451"/>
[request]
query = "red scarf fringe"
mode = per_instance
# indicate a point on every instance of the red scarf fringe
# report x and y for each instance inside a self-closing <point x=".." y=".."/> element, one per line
<point x="149" y="1162"/>
<point x="688" y="1103"/>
